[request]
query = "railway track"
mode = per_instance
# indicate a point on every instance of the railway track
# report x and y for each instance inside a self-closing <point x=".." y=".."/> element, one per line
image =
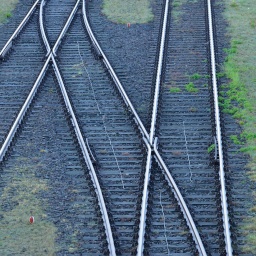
<point x="70" y="198"/>
<point x="101" y="133"/>
<point x="212" y="211"/>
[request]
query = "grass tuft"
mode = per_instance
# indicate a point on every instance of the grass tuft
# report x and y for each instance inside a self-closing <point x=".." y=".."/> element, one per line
<point x="190" y="87"/>
<point x="175" y="90"/>
<point x="196" y="76"/>
<point x="220" y="74"/>
<point x="234" y="4"/>
<point x="235" y="139"/>
<point x="211" y="148"/>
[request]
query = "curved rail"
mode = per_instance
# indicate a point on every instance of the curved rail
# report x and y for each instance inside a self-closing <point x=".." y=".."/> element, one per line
<point x="82" y="143"/>
<point x="41" y="24"/>
<point x="64" y="30"/>
<point x="224" y="204"/>
<point x="87" y="159"/>
<point x="152" y="140"/>
<point x="80" y="138"/>
<point x="151" y="137"/>
<point x="113" y="75"/>
<point x="159" y="74"/>
<point x="8" y="44"/>
<point x="151" y="147"/>
<point x="181" y="201"/>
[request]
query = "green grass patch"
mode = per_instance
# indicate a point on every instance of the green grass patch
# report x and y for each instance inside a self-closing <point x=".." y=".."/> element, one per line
<point x="175" y="90"/>
<point x="6" y="8"/>
<point x="190" y="87"/>
<point x="20" y="200"/>
<point x="132" y="11"/>
<point x="240" y="100"/>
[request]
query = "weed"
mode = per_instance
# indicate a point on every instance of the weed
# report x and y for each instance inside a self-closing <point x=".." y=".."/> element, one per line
<point x="235" y="139"/>
<point x="190" y="87"/>
<point x="177" y="9"/>
<point x="233" y="49"/>
<point x="175" y="4"/>
<point x="196" y="76"/>
<point x="220" y="74"/>
<point x="175" y="90"/>
<point x="234" y="4"/>
<point x="211" y="148"/>
<point x="253" y="23"/>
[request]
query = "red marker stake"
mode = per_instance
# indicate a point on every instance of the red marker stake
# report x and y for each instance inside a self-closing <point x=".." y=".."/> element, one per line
<point x="31" y="219"/>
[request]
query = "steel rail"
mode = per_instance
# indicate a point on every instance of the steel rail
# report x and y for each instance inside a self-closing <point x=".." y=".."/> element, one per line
<point x="23" y="110"/>
<point x="144" y="202"/>
<point x="64" y="30"/>
<point x="224" y="203"/>
<point x="83" y="145"/>
<point x="152" y="140"/>
<point x="181" y="201"/>
<point x="41" y="24"/>
<point x="8" y="44"/>
<point x="113" y="75"/>
<point x="87" y="159"/>
<point x="159" y="74"/>
<point x="150" y="147"/>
